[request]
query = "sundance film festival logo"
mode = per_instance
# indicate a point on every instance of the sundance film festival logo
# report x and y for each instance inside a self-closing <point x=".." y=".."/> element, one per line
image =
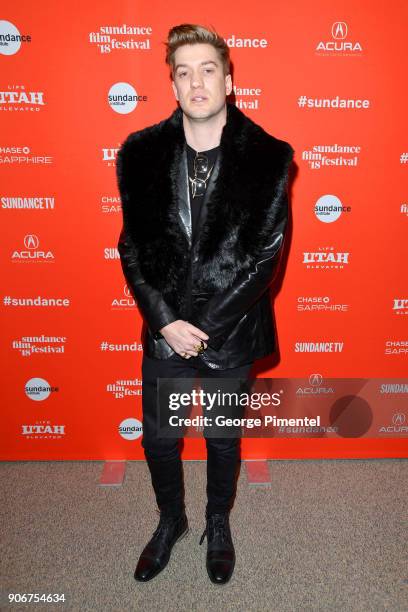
<point x="125" y="388"/>
<point x="38" y="389"/>
<point x="328" y="208"/>
<point x="404" y="209"/>
<point x="123" y="98"/>
<point x="400" y="307"/>
<point x="247" y="98"/>
<point x="17" y="98"/>
<point x="329" y="156"/>
<point x="404" y="158"/>
<point x="316" y="387"/>
<point x="111" y="204"/>
<point x="131" y="429"/>
<point x="11" y="39"/>
<point x="109" y="156"/>
<point x="32" y="252"/>
<point x="319" y="303"/>
<point x="43" y="429"/>
<point x="338" y="43"/>
<point x="28" y="202"/>
<point x="126" y="302"/>
<point x="325" y="259"/>
<point x="39" y="345"/>
<point x="121" y="38"/>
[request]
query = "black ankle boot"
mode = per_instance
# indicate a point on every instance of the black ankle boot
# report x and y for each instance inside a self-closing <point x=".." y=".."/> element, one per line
<point x="220" y="549"/>
<point x="156" y="553"/>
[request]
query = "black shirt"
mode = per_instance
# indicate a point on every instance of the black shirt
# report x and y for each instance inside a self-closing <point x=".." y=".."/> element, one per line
<point x="195" y="203"/>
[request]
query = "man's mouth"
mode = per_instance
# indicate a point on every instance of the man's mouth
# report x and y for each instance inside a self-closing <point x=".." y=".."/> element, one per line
<point x="198" y="98"/>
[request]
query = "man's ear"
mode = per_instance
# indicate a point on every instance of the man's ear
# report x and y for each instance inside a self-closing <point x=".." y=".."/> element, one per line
<point x="228" y="84"/>
<point x="174" y="89"/>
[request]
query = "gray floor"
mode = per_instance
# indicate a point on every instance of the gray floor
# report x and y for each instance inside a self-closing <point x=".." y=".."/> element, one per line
<point x="326" y="535"/>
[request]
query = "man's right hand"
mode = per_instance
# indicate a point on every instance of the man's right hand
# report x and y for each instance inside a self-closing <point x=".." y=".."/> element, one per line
<point x="182" y="336"/>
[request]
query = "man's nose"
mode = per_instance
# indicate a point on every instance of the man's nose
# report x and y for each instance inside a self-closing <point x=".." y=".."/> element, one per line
<point x="196" y="80"/>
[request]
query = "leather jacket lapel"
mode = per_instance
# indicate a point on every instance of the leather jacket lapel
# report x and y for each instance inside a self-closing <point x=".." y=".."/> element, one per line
<point x="183" y="198"/>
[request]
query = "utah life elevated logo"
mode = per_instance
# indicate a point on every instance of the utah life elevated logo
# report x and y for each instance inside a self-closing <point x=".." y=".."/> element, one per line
<point x="109" y="155"/>
<point x="16" y="98"/>
<point x="400" y="306"/>
<point x="326" y="258"/>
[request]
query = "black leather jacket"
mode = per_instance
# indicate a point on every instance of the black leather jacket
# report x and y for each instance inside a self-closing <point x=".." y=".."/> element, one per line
<point x="239" y="318"/>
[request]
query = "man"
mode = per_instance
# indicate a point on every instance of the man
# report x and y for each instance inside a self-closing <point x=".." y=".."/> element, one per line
<point x="204" y="199"/>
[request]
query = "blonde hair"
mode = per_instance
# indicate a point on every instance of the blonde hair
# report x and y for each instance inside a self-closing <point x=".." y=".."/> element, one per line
<point x="191" y="34"/>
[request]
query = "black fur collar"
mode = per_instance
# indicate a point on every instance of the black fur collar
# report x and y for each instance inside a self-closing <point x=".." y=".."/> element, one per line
<point x="240" y="210"/>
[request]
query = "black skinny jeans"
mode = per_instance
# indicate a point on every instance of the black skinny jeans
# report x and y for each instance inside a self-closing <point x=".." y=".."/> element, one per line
<point x="163" y="454"/>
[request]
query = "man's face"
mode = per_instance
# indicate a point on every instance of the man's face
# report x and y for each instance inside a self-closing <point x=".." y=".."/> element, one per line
<point x="199" y="82"/>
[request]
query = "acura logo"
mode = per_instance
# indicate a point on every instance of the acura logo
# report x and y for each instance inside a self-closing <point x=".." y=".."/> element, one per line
<point x="339" y="30"/>
<point x="315" y="380"/>
<point x="31" y="241"/>
<point x="398" y="419"/>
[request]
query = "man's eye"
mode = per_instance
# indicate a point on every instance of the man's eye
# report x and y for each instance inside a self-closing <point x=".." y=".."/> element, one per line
<point x="208" y="69"/>
<point x="181" y="74"/>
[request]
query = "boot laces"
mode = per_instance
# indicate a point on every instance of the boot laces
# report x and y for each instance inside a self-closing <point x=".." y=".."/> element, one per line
<point x="216" y="528"/>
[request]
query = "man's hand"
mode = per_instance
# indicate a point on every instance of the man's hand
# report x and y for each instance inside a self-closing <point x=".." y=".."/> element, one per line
<point x="182" y="336"/>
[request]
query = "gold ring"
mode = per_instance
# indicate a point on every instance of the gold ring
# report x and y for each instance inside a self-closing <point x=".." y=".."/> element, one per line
<point x="199" y="347"/>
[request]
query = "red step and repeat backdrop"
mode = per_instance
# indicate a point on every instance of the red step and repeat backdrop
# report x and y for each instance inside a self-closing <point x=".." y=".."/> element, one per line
<point x="76" y="78"/>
